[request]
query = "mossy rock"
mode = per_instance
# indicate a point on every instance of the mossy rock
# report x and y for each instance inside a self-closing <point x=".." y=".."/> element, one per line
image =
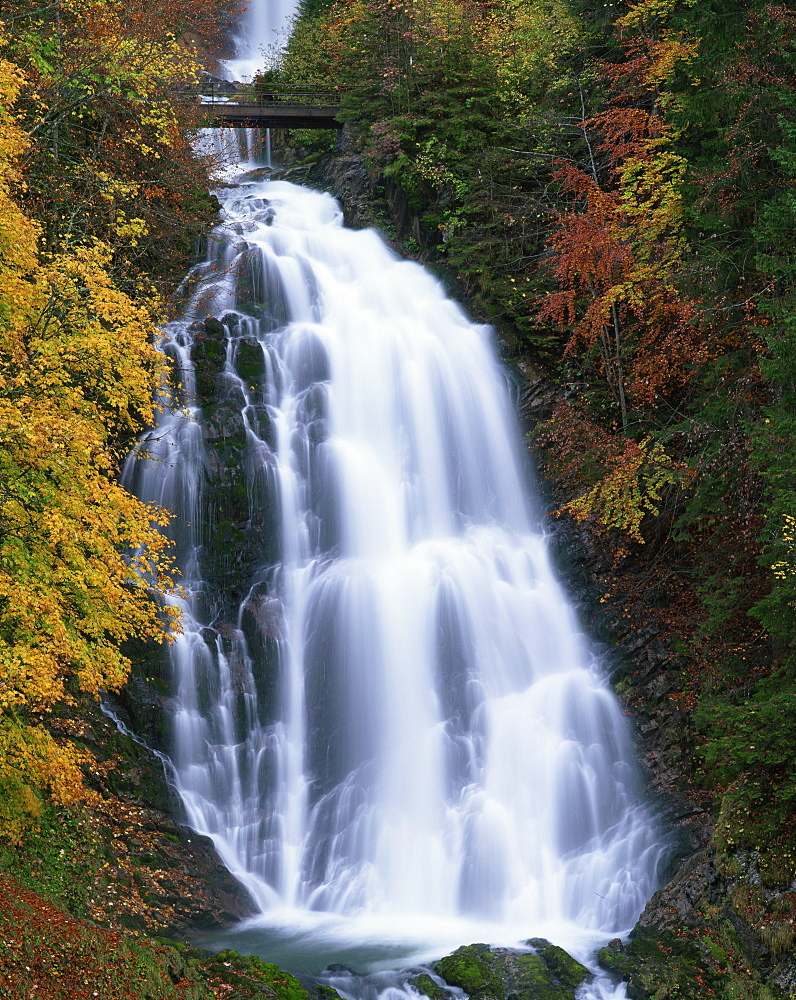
<point x="500" y="973"/>
<point x="209" y="355"/>
<point x="223" y="423"/>
<point x="536" y="982"/>
<point x="427" y="987"/>
<point x="249" y="361"/>
<point x="615" y="962"/>
<point x="661" y="964"/>
<point x="470" y="968"/>
<point x="263" y="425"/>
<point x="565" y="969"/>
<point x="250" y="976"/>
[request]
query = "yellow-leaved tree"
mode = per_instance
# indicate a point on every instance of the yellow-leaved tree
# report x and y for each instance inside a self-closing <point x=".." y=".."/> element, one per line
<point x="82" y="562"/>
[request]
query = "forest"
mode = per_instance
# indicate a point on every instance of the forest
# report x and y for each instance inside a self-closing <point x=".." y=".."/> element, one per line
<point x="613" y="186"/>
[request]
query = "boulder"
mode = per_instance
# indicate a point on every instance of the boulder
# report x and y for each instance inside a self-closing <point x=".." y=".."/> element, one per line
<point x="485" y="973"/>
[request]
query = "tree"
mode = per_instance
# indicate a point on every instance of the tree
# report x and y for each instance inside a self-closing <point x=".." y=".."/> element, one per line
<point x="82" y="562"/>
<point x="108" y="109"/>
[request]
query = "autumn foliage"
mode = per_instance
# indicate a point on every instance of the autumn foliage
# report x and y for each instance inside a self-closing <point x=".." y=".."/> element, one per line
<point x="673" y="286"/>
<point x="96" y="175"/>
<point x="50" y="954"/>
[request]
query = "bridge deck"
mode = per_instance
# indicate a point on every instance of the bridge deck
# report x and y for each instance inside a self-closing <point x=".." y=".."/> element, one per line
<point x="273" y="115"/>
<point x="280" y="106"/>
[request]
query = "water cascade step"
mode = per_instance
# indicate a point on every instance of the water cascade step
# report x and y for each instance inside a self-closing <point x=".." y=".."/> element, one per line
<point x="384" y="711"/>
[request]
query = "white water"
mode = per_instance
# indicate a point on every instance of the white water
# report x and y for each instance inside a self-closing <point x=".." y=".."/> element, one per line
<point x="263" y="30"/>
<point x="440" y="759"/>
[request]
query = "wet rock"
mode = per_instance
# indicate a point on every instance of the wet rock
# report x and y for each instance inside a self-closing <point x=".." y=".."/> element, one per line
<point x="471" y="969"/>
<point x="158" y="875"/>
<point x="536" y="401"/>
<point x="658" y="963"/>
<point x="223" y="423"/>
<point x="681" y="901"/>
<point x="784" y="977"/>
<point x="263" y="426"/>
<point x="249" y="363"/>
<point x="208" y="353"/>
<point x="209" y="84"/>
<point x="564" y="968"/>
<point x="658" y="689"/>
<point x="247" y="977"/>
<point x="485" y="973"/>
<point x="428" y="987"/>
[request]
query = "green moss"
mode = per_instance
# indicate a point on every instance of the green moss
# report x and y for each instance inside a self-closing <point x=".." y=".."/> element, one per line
<point x="249" y="362"/>
<point x="208" y="354"/>
<point x="705" y="962"/>
<point x="778" y="868"/>
<point x="252" y="977"/>
<point x="486" y="973"/>
<point x="563" y="966"/>
<point x="615" y="962"/>
<point x="60" y="857"/>
<point x="426" y="987"/>
<point x="469" y="969"/>
<point x="536" y="981"/>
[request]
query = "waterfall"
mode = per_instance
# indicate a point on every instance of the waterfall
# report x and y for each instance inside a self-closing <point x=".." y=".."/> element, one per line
<point x="388" y="720"/>
<point x="262" y="31"/>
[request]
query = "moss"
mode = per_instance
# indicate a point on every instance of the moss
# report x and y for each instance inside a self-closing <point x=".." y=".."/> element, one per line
<point x="208" y="353"/>
<point x="778" y="868"/>
<point x="657" y="965"/>
<point x="485" y="973"/>
<point x="426" y="987"/>
<point x="60" y="857"/>
<point x="692" y="963"/>
<point x="249" y="362"/>
<point x="564" y="968"/>
<point x="717" y="953"/>
<point x="250" y="976"/>
<point x="536" y="981"/>
<point x="615" y="962"/>
<point x="469" y="969"/>
<point x="736" y="826"/>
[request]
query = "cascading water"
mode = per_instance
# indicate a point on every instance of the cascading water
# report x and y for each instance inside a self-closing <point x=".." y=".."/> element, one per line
<point x="400" y="734"/>
<point x="262" y="32"/>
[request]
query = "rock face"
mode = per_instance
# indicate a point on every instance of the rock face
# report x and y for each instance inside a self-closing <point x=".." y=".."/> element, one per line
<point x="696" y="884"/>
<point x="153" y="874"/>
<point x="238" y="528"/>
<point x="184" y="880"/>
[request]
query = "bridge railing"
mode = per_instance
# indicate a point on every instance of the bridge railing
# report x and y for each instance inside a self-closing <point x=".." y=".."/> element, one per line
<point x="267" y="95"/>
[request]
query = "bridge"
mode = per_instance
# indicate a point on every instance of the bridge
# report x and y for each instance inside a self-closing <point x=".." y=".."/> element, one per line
<point x="272" y="106"/>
